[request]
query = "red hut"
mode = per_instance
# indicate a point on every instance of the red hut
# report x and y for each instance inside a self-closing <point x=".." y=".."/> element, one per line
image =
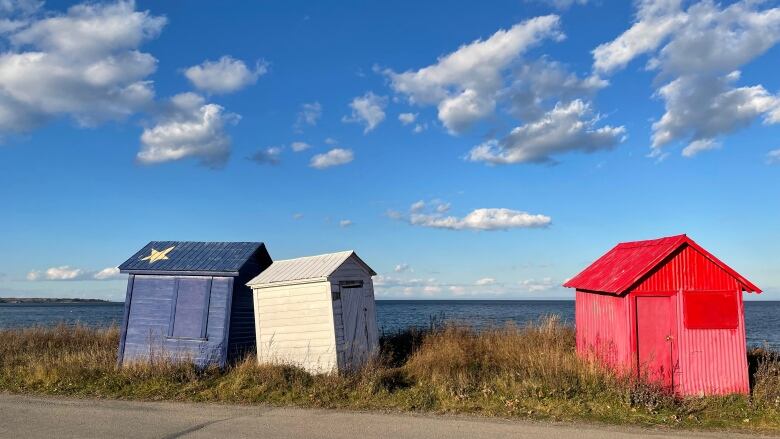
<point x="669" y="309"/>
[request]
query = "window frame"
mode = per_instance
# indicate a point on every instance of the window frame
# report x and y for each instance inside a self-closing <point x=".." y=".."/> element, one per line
<point x="205" y="312"/>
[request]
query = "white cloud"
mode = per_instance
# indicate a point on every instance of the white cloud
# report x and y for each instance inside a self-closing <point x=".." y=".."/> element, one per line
<point x="698" y="53"/>
<point x="299" y="146"/>
<point x="331" y="141"/>
<point x="368" y="109"/>
<point x="537" y="285"/>
<point x="542" y="83"/>
<point x="401" y="268"/>
<point x="567" y="127"/>
<point x="225" y="75"/>
<point x="773" y="157"/>
<point x="345" y="223"/>
<point x="334" y="157"/>
<point x="433" y="215"/>
<point x="702" y="108"/>
<point x="420" y="127"/>
<point x="84" y="63"/>
<point x="482" y="219"/>
<point x="66" y="272"/>
<point x="188" y="127"/>
<point x="655" y="21"/>
<point x="309" y="114"/>
<point x="564" y="4"/>
<point x="398" y="286"/>
<point x="267" y="156"/>
<point x="108" y="274"/>
<point x="407" y="118"/>
<point x="698" y="146"/>
<point x="485" y="281"/>
<point x="465" y="84"/>
<point x="297" y="216"/>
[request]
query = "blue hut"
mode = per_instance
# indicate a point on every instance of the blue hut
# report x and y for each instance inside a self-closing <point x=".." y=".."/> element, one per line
<point x="189" y="301"/>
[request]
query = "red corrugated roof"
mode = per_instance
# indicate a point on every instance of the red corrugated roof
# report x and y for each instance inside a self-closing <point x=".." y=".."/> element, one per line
<point x="623" y="266"/>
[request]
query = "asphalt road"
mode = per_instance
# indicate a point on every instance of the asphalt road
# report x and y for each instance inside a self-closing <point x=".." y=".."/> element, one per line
<point x="30" y="417"/>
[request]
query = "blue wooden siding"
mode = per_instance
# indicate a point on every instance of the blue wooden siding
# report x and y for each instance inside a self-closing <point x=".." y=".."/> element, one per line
<point x="242" y="317"/>
<point x="149" y="322"/>
<point x="154" y="329"/>
<point x="190" y="312"/>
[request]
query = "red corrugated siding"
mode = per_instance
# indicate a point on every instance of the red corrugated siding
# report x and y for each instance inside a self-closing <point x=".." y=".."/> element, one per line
<point x="603" y="329"/>
<point x="710" y="361"/>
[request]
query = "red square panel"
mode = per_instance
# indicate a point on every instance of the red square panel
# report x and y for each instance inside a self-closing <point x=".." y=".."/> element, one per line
<point x="711" y="309"/>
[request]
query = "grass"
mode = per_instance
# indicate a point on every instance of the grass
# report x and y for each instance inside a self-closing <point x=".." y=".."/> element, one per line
<point x="515" y="372"/>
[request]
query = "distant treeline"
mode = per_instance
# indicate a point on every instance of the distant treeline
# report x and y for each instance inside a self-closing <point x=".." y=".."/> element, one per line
<point x="48" y="300"/>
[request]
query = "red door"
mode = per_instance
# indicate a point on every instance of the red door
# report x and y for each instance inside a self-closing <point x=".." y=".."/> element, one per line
<point x="655" y="338"/>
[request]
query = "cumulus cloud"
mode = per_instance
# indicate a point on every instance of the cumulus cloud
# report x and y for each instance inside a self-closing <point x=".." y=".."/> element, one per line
<point x="108" y="274"/>
<point x="698" y="146"/>
<point x="309" y="114"/>
<point x="84" y="64"/>
<point x="299" y="146"/>
<point x="334" y="157"/>
<point x="655" y="21"/>
<point x="66" y="272"/>
<point x="433" y="215"/>
<point x="563" y="4"/>
<point x="702" y="108"/>
<point x="540" y="84"/>
<point x="400" y="286"/>
<point x="368" y="109"/>
<point x="401" y="268"/>
<point x="567" y="127"/>
<point x="538" y="285"/>
<point x="267" y="156"/>
<point x="407" y="118"/>
<point x="485" y="281"/>
<point x="225" y="75"/>
<point x="188" y="127"/>
<point x="698" y="53"/>
<point x="464" y="85"/>
<point x="345" y="223"/>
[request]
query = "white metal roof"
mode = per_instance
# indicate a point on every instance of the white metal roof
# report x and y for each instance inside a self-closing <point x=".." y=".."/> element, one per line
<point x="310" y="267"/>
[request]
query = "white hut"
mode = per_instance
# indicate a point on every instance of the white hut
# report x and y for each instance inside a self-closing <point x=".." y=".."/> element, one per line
<point x="316" y="312"/>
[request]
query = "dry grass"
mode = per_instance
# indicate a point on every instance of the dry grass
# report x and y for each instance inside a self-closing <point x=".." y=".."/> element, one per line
<point x="509" y="371"/>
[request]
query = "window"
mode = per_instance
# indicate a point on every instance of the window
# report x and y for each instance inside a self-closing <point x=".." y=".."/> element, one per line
<point x="189" y="316"/>
<point x="711" y="309"/>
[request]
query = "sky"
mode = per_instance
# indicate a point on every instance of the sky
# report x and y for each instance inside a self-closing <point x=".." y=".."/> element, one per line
<point x="465" y="150"/>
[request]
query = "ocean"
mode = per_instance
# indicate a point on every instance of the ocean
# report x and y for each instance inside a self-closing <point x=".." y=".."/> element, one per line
<point x="762" y="317"/>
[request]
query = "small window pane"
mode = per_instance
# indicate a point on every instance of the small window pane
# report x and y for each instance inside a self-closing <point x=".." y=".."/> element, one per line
<point x="192" y="301"/>
<point x="711" y="309"/>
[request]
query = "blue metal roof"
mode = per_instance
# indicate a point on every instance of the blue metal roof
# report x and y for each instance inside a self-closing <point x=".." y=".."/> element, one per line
<point x="191" y="257"/>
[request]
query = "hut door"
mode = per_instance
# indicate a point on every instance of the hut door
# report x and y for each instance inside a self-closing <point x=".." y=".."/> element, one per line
<point x="654" y="338"/>
<point x="354" y="312"/>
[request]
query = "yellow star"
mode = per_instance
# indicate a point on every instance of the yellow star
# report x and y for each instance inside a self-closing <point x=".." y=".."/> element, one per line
<point x="157" y="256"/>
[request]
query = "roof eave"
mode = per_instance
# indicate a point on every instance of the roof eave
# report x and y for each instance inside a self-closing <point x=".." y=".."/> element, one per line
<point x="181" y="273"/>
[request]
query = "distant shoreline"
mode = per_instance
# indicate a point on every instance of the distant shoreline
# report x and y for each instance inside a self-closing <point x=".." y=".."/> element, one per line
<point x="49" y="300"/>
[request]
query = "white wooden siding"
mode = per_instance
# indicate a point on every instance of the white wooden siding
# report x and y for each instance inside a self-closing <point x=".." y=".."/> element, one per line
<point x="295" y="326"/>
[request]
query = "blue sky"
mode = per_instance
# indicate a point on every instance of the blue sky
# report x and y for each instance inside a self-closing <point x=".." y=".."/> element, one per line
<point x="465" y="151"/>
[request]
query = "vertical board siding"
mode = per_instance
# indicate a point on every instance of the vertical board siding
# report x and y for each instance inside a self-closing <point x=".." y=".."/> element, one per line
<point x="603" y="329"/>
<point x="149" y="321"/>
<point x="352" y="270"/>
<point x="710" y="361"/>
